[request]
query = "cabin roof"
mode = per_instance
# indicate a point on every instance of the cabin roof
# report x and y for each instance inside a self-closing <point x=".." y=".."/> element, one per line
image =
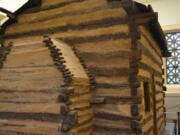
<point x="154" y="27"/>
<point x="7" y="15"/>
<point x="137" y="9"/>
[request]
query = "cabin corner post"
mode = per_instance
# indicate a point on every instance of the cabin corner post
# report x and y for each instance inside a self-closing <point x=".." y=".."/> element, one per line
<point x="4" y="51"/>
<point x="69" y="117"/>
<point x="133" y="79"/>
<point x="75" y="94"/>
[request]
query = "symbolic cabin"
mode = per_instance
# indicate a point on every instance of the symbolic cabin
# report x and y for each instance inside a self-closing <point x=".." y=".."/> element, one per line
<point x="82" y="67"/>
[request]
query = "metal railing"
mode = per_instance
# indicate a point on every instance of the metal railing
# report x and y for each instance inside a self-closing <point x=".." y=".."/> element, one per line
<point x="175" y="123"/>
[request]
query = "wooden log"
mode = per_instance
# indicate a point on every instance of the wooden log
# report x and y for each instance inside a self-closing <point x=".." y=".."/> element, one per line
<point x="85" y="118"/>
<point x="150" y="39"/>
<point x="112" y="82"/>
<point x="49" y="117"/>
<point x="109" y="72"/>
<point x="65" y="20"/>
<point x="113" y="91"/>
<point x="63" y="30"/>
<point x="112" y="123"/>
<point x="83" y="128"/>
<point x="152" y="56"/>
<point x="28" y="97"/>
<point x="110" y="63"/>
<point x="29" y="127"/>
<point x="144" y="18"/>
<point x="81" y="98"/>
<point x="93" y="56"/>
<point x="151" y="64"/>
<point x="29" y="59"/>
<point x="46" y="4"/>
<point x="105" y="46"/>
<point x="64" y="11"/>
<point x="105" y="128"/>
<point x="147" y="128"/>
<point x="119" y="110"/>
<point x="26" y="79"/>
<point x="33" y="107"/>
<point x="147" y="45"/>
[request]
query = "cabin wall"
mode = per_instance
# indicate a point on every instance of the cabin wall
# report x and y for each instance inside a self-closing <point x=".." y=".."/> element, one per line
<point x="150" y="71"/>
<point x="35" y="97"/>
<point x="27" y="106"/>
<point x="104" y="39"/>
<point x="100" y="34"/>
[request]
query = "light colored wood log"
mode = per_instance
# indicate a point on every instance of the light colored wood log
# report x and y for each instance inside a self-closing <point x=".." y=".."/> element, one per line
<point x="150" y="37"/>
<point x="161" y="129"/>
<point x="29" y="126"/>
<point x="147" y="74"/>
<point x="72" y="62"/>
<point x="110" y="63"/>
<point x="63" y="21"/>
<point x="79" y="105"/>
<point x="81" y="98"/>
<point x="28" y="79"/>
<point x="145" y="44"/>
<point x="122" y="28"/>
<point x="159" y="96"/>
<point x="31" y="58"/>
<point x="85" y="118"/>
<point x="112" y="123"/>
<point x="104" y="47"/>
<point x="113" y="91"/>
<point x="80" y="88"/>
<point x="86" y="112"/>
<point x="146" y="60"/>
<point x="86" y="5"/>
<point x="160" y="104"/>
<point x="119" y="109"/>
<point x="79" y="129"/>
<point x="28" y="97"/>
<point x="112" y="80"/>
<point x="31" y="108"/>
<point x="144" y="73"/>
<point x="147" y="126"/>
<point x="159" y="79"/>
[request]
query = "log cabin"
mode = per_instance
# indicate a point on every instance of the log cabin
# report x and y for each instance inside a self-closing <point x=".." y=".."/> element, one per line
<point x="82" y="67"/>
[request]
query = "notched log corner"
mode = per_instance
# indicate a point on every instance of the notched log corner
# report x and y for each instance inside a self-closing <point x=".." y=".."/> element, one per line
<point x="134" y="110"/>
<point x="98" y="100"/>
<point x="4" y="51"/>
<point x="68" y="91"/>
<point x="89" y="74"/>
<point x="64" y="110"/>
<point x="58" y="59"/>
<point x="63" y="98"/>
<point x="164" y="88"/>
<point x="69" y="121"/>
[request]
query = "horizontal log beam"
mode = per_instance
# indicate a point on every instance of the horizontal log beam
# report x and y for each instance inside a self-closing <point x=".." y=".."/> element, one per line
<point x="115" y="117"/>
<point x="144" y="18"/>
<point x="31" y="116"/>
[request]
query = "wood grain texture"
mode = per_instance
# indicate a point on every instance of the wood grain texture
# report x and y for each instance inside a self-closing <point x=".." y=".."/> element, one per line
<point x="118" y="54"/>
